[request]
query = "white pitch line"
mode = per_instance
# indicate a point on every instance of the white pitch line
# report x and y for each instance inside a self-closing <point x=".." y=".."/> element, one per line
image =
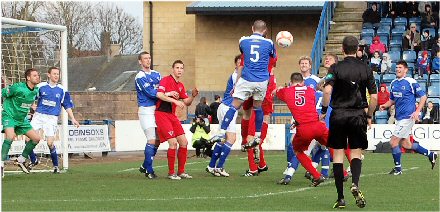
<point x="191" y="198"/>
<point x="132" y="169"/>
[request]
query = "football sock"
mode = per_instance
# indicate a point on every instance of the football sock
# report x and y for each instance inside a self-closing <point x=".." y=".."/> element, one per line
<point x="228" y="118"/>
<point x="252" y="166"/>
<point x="325" y="163"/>
<point x="54" y="156"/>
<point x="339" y="179"/>
<point x="244" y="130"/>
<point x="155" y="150"/>
<point x="215" y="154"/>
<point x="396" y="156"/>
<point x="356" y="168"/>
<point x="316" y="155"/>
<point x="224" y="154"/>
<point x="419" y="149"/>
<point x="289" y="151"/>
<point x="262" y="163"/>
<point x="5" y="148"/>
<point x="181" y="156"/>
<point x="258" y="120"/>
<point x="33" y="157"/>
<point x="171" y="154"/>
<point x="148" y="161"/>
<point x="28" y="148"/>
<point x="251" y="128"/>
<point x="306" y="162"/>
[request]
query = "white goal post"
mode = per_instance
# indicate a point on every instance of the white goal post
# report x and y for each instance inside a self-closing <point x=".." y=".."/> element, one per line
<point x="11" y="27"/>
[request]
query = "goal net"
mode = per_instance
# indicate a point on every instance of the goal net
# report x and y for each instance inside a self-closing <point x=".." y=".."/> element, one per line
<point x="25" y="45"/>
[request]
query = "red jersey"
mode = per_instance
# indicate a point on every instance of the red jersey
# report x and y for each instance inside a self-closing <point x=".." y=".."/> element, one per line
<point x="301" y="102"/>
<point x="168" y="84"/>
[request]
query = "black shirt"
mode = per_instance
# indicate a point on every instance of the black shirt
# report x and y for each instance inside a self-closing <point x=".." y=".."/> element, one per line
<point x="350" y="79"/>
<point x="214" y="108"/>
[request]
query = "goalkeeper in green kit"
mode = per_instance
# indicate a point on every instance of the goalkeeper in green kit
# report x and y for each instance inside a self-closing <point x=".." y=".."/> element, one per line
<point x="17" y="100"/>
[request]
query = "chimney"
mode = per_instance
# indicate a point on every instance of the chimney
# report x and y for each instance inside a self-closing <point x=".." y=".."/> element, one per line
<point x="115" y="49"/>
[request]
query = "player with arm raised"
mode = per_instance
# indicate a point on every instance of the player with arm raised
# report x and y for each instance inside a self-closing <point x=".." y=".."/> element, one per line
<point x="252" y="78"/>
<point x="52" y="96"/>
<point x="18" y="99"/>
<point x="222" y="148"/>
<point x="404" y="91"/>
<point x="169" y="127"/>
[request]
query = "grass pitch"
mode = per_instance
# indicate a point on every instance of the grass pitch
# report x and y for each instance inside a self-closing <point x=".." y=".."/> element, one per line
<point x="118" y="186"/>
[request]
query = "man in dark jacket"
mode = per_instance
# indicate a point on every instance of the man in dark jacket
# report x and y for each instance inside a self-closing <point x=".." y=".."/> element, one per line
<point x="371" y="16"/>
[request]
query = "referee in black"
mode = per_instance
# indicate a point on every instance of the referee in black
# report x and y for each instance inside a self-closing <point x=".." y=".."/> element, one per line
<point x="347" y="82"/>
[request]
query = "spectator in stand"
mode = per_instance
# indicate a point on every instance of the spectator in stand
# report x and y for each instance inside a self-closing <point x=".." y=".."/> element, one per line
<point x="412" y="9"/>
<point x="202" y="109"/>
<point x="377" y="46"/>
<point x="436" y="64"/>
<point x="435" y="48"/>
<point x="361" y="55"/>
<point x="419" y="121"/>
<point x="411" y="39"/>
<point x="375" y="62"/>
<point x="383" y="95"/>
<point x="430" y="114"/>
<point x="214" y="107"/>
<point x="423" y="64"/>
<point x="427" y="40"/>
<point x="429" y="18"/>
<point x="371" y="16"/>
<point x="422" y="6"/>
<point x="385" y="66"/>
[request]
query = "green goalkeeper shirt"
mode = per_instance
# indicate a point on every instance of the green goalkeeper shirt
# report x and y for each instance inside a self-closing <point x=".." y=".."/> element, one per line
<point x="18" y="99"/>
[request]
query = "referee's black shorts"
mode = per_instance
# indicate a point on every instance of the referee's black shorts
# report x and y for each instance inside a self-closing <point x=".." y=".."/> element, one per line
<point x="348" y="126"/>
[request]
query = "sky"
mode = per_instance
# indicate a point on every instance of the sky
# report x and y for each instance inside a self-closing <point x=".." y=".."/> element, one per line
<point x="132" y="7"/>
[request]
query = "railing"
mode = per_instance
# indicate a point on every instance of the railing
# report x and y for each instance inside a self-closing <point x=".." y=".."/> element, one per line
<point x="321" y="35"/>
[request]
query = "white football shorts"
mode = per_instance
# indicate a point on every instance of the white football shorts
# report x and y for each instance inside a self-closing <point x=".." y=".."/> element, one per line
<point x="221" y="112"/>
<point x="244" y="90"/>
<point x="403" y="128"/>
<point x="148" y="121"/>
<point x="48" y="123"/>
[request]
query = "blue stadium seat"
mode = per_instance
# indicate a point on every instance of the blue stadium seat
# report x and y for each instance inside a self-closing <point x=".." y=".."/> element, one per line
<point x="384" y="40"/>
<point x="416" y="20"/>
<point x="411" y="68"/>
<point x="367" y="26"/>
<point x="386" y="21"/>
<point x="402" y="27"/>
<point x="435" y="83"/>
<point x="394" y="55"/>
<point x="368" y="40"/>
<point x="434" y="78"/>
<point x="367" y="33"/>
<point x="381" y="117"/>
<point x="393" y="68"/>
<point x="433" y="91"/>
<point x="376" y="76"/>
<point x="409" y="56"/>
<point x="422" y="86"/>
<point x="395" y="45"/>
<point x="383" y="31"/>
<point x="387" y="78"/>
<point x="400" y="21"/>
<point x="424" y="77"/>
<point x="397" y="33"/>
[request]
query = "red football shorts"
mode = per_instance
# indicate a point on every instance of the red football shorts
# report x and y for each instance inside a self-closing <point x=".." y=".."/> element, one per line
<point x="168" y="126"/>
<point x="305" y="133"/>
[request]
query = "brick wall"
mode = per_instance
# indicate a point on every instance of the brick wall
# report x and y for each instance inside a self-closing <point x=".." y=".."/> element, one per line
<point x="173" y="38"/>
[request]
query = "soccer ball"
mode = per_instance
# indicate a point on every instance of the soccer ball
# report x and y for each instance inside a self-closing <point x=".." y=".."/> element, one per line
<point x="284" y="39"/>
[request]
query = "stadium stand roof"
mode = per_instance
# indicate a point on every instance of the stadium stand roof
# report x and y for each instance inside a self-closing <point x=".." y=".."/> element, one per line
<point x="254" y="7"/>
<point x="116" y="74"/>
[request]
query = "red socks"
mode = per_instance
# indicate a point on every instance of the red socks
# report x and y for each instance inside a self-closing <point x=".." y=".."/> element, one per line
<point x="244" y="130"/>
<point x="181" y="156"/>
<point x="171" y="155"/>
<point x="306" y="162"/>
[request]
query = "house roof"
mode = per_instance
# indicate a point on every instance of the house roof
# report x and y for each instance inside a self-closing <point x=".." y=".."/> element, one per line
<point x="254" y="7"/>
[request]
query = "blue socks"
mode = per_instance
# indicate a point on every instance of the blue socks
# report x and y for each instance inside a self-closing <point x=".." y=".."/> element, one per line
<point x="396" y="156"/>
<point x="33" y="157"/>
<point x="419" y="149"/>
<point x="289" y="151"/>
<point x="54" y="156"/>
<point x="149" y="152"/>
<point x="325" y="162"/>
<point x="228" y="118"/>
<point x="215" y="154"/>
<point x="258" y="120"/>
<point x="224" y="154"/>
